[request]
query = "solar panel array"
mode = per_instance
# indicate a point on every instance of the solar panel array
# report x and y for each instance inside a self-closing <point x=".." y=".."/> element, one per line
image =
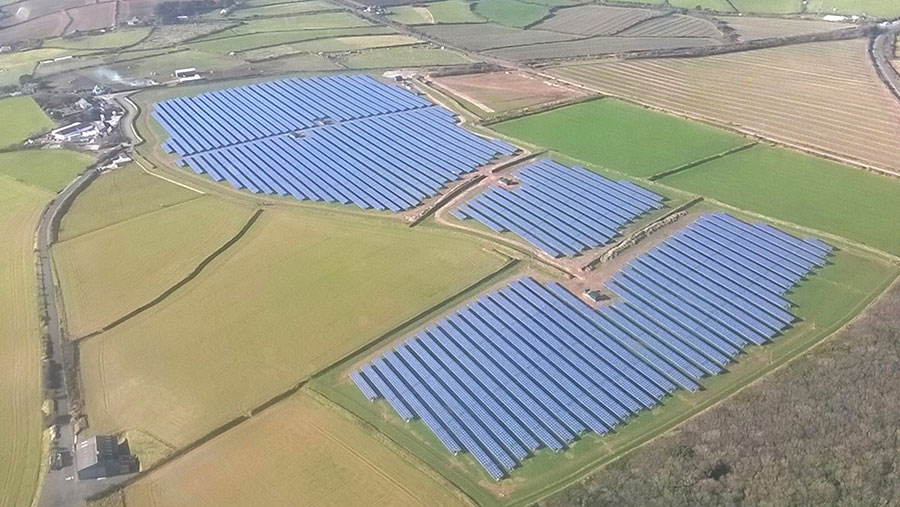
<point x="561" y="210"/>
<point x="344" y="139"/>
<point x="532" y="366"/>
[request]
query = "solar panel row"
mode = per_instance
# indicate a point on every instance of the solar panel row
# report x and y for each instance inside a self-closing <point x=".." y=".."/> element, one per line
<point x="561" y="210"/>
<point x="225" y="117"/>
<point x="344" y="139"/>
<point x="533" y="366"/>
<point x="384" y="162"/>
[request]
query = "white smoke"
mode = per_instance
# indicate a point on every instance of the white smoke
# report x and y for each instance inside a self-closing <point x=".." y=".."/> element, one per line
<point x="112" y="76"/>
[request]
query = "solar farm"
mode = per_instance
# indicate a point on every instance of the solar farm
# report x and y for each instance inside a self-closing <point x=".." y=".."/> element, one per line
<point x="532" y="366"/>
<point x="528" y="375"/>
<point x="342" y="139"/>
<point x="561" y="210"/>
<point x="492" y="253"/>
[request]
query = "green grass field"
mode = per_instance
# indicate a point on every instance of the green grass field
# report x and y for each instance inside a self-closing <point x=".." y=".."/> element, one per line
<point x="302" y="289"/>
<point x="291" y="23"/>
<point x="110" y="40"/>
<point x="283" y="9"/>
<point x="21" y="63"/>
<point x="48" y="169"/>
<point x="768" y="6"/>
<point x="117" y="196"/>
<point x="511" y="13"/>
<point x="354" y="43"/>
<point x="241" y="43"/>
<point x="620" y="136"/>
<point x="20" y="343"/>
<point x="131" y="256"/>
<point x="824" y="302"/>
<point x="22" y="118"/>
<point x="802" y="189"/>
<point x="301" y="452"/>
<point x="713" y="5"/>
<point x="406" y="56"/>
<point x="878" y="8"/>
<point x="447" y="11"/>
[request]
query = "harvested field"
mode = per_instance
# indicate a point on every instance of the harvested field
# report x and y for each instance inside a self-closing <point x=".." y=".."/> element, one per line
<point x="606" y="132"/>
<point x="597" y="46"/>
<point x="270" y="312"/>
<point x="835" y="104"/>
<point x="406" y="56"/>
<point x="505" y="91"/>
<point x="109" y="40"/>
<point x="107" y="273"/>
<point x="118" y="196"/>
<point x="675" y="25"/>
<point x="802" y="189"/>
<point x="92" y="17"/>
<point x="447" y="11"/>
<point x="476" y="37"/>
<point x="764" y="28"/>
<point x="768" y="6"/>
<point x="882" y="8"/>
<point x="510" y="13"/>
<point x="51" y="25"/>
<point x="283" y="9"/>
<point x="595" y="20"/>
<point x="22" y="118"/>
<point x="300" y="452"/>
<point x="49" y="169"/>
<point x="20" y="344"/>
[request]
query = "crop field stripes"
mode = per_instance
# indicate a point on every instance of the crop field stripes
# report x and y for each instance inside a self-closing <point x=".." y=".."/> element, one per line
<point x="345" y="139"/>
<point x="531" y="366"/>
<point x="845" y="113"/>
<point x="561" y="210"/>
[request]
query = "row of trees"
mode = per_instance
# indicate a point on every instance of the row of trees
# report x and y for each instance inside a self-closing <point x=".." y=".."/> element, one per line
<point x="824" y="430"/>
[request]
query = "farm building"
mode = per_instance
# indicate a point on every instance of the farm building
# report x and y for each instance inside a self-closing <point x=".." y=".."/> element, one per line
<point x="103" y="456"/>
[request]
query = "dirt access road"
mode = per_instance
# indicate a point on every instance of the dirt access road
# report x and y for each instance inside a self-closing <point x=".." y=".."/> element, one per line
<point x="61" y="488"/>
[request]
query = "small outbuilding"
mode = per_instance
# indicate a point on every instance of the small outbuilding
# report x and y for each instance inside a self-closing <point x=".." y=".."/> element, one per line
<point x="103" y="456"/>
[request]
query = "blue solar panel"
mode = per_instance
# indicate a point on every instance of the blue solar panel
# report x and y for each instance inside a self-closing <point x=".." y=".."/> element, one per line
<point x="344" y="139"/>
<point x="532" y="365"/>
<point x="561" y="210"/>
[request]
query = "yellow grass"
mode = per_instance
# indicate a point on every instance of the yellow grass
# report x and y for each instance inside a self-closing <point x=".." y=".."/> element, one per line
<point x="20" y="345"/>
<point x="117" y="196"/>
<point x="302" y="289"/>
<point x="109" y="272"/>
<point x="300" y="452"/>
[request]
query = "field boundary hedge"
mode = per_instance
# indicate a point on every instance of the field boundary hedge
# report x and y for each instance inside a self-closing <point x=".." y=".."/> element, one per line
<point x="181" y="283"/>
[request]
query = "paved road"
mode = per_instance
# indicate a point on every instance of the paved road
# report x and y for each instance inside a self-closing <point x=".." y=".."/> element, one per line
<point x="61" y="488"/>
<point x="882" y="53"/>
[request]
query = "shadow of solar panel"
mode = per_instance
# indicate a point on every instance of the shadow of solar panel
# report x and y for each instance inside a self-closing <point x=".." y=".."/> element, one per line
<point x="532" y="366"/>
<point x="561" y="210"/>
<point x="343" y="139"/>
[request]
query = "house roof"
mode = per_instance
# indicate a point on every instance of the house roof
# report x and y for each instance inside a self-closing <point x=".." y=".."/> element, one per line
<point x="94" y="450"/>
